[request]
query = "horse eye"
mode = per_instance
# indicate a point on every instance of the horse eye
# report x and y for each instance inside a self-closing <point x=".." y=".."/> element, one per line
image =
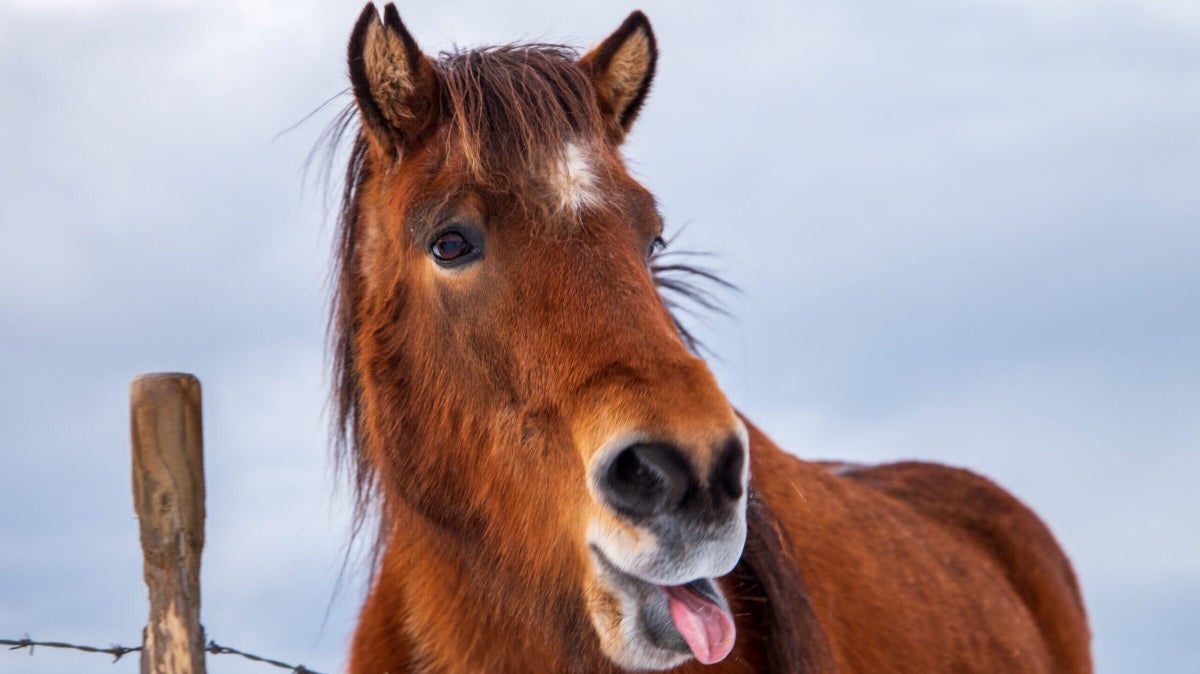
<point x="657" y="246"/>
<point x="451" y="246"/>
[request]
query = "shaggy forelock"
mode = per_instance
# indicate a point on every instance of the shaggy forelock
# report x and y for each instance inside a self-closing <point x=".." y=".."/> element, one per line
<point x="512" y="110"/>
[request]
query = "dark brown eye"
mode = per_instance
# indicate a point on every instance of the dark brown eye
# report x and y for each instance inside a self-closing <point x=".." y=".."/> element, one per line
<point x="451" y="247"/>
<point x="657" y="246"/>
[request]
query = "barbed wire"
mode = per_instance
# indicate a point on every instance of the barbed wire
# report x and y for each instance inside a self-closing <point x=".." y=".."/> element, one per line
<point x="118" y="651"/>
<point x="114" y="650"/>
<point x="217" y="649"/>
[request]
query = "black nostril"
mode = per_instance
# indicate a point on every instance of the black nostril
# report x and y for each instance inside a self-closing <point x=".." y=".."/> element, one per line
<point x="727" y="470"/>
<point x="646" y="479"/>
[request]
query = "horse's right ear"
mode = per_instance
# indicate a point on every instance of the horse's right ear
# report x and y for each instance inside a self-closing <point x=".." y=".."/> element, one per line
<point x="622" y="68"/>
<point x="395" y="85"/>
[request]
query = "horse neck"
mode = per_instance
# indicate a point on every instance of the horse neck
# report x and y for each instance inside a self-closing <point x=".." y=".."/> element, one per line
<point x="470" y="609"/>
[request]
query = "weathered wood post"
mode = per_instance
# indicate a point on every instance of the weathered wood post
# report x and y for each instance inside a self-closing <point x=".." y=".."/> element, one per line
<point x="168" y="495"/>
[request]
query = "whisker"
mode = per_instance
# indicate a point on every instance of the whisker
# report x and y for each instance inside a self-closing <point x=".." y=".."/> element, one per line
<point x="680" y="285"/>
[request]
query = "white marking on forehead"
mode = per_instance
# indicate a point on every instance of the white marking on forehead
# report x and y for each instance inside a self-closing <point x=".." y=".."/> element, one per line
<point x="573" y="179"/>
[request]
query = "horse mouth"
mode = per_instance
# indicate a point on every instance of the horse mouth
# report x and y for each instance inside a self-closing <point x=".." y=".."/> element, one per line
<point x="669" y="623"/>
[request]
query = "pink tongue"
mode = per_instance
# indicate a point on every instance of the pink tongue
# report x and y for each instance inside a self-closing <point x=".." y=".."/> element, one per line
<point x="707" y="628"/>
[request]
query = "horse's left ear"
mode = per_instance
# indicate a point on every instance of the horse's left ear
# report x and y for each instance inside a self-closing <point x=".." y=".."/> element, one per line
<point x="622" y="68"/>
<point x="394" y="83"/>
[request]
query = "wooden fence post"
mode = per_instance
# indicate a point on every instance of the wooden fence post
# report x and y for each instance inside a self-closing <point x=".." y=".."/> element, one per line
<point x="168" y="495"/>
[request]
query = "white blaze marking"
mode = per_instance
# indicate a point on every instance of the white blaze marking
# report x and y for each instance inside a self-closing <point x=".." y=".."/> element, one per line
<point x="573" y="180"/>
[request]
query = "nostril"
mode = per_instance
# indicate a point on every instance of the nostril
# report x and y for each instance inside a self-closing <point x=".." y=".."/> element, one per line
<point x="727" y="471"/>
<point x="635" y="474"/>
<point x="645" y="479"/>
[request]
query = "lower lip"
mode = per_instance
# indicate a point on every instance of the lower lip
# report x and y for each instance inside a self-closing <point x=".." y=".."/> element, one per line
<point x="703" y="587"/>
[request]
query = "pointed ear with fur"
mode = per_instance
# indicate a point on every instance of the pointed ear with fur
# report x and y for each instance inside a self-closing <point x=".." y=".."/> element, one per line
<point x="394" y="84"/>
<point x="622" y="68"/>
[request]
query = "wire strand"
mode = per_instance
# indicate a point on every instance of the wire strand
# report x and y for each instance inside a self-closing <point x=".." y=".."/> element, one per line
<point x="118" y="651"/>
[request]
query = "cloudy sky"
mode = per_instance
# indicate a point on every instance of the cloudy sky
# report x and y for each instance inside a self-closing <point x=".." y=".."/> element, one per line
<point x="965" y="232"/>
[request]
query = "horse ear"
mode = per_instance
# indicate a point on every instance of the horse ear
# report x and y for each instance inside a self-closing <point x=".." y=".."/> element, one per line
<point x="622" y="68"/>
<point x="394" y="84"/>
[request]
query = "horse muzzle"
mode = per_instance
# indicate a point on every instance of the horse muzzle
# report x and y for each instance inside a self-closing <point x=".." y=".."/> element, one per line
<point x="666" y="529"/>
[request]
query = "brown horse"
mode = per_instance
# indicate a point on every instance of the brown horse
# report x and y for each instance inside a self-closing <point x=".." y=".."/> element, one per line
<point x="560" y="484"/>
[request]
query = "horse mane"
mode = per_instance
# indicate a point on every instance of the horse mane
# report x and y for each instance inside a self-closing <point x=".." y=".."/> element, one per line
<point x="495" y="103"/>
<point x="786" y="627"/>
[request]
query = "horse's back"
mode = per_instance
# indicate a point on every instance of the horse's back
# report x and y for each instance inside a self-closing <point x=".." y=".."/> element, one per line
<point x="977" y="510"/>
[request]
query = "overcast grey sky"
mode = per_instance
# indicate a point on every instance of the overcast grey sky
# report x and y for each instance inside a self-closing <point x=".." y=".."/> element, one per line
<point x="965" y="232"/>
